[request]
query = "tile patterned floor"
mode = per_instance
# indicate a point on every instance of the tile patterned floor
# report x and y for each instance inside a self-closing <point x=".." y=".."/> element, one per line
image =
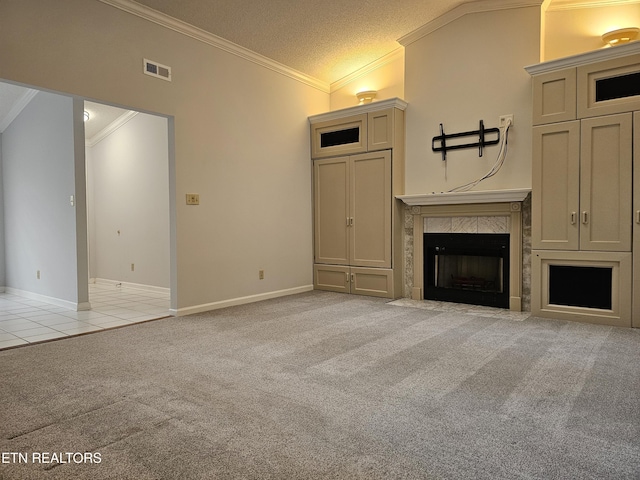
<point x="24" y="321"/>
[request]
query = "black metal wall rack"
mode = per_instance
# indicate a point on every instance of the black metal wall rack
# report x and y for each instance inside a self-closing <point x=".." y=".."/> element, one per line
<point x="480" y="144"/>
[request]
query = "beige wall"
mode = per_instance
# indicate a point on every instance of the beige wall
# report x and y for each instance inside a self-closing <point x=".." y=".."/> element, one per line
<point x="241" y="137"/>
<point x="467" y="70"/>
<point x="571" y="31"/>
<point x="387" y="78"/>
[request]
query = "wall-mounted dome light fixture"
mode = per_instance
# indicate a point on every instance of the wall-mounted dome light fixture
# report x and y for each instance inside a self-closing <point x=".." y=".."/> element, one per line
<point x="620" y="36"/>
<point x="366" y="96"/>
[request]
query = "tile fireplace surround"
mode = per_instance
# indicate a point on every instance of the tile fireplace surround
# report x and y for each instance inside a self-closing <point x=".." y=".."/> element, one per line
<point x="495" y="211"/>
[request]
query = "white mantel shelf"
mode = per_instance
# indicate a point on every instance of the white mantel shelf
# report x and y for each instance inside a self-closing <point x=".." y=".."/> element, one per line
<point x="461" y="198"/>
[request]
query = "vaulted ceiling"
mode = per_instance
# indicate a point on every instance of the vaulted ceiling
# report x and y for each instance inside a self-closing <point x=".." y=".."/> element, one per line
<point x="323" y="39"/>
<point x="326" y="39"/>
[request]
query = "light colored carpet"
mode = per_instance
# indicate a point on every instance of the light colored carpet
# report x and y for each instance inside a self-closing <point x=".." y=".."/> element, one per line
<point x="323" y="385"/>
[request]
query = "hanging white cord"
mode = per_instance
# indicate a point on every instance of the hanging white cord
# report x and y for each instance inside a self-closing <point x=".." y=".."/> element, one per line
<point x="502" y="154"/>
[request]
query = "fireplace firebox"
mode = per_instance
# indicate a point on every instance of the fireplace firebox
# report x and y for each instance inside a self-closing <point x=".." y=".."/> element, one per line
<point x="470" y="268"/>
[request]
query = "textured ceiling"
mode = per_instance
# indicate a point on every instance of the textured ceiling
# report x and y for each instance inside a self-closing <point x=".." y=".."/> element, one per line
<point x="327" y="39"/>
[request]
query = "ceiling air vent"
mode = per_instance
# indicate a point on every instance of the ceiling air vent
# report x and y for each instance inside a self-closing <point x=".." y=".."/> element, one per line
<point x="156" y="69"/>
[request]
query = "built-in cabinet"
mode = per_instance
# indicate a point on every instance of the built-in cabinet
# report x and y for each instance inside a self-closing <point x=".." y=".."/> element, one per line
<point x="358" y="168"/>
<point x="582" y="184"/>
<point x="586" y="188"/>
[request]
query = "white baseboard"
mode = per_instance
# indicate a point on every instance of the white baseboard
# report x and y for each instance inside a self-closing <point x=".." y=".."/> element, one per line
<point x="238" y="301"/>
<point x="137" y="286"/>
<point x="58" y="302"/>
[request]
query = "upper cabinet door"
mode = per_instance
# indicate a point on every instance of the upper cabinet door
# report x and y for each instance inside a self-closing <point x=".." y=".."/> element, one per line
<point x="609" y="87"/>
<point x="554" y="97"/>
<point x="556" y="186"/>
<point x="380" y="126"/>
<point x="606" y="183"/>
<point x="343" y="137"/>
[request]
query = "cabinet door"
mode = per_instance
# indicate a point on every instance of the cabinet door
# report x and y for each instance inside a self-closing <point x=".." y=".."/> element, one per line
<point x="606" y="182"/>
<point x="371" y="209"/>
<point x="332" y="278"/>
<point x="609" y="87"/>
<point x="636" y="220"/>
<point x="380" y="129"/>
<point x="555" y="182"/>
<point x="375" y="282"/>
<point x="554" y="97"/>
<point x="331" y="210"/>
<point x="339" y="137"/>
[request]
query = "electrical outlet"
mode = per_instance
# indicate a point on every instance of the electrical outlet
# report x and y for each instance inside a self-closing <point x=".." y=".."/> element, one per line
<point x="502" y="120"/>
<point x="261" y="274"/>
<point x="193" y="199"/>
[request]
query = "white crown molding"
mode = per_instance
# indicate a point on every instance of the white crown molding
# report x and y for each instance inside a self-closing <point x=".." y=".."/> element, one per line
<point x="358" y="109"/>
<point x="462" y="10"/>
<point x="109" y="129"/>
<point x="215" y="41"/>
<point x="558" y="5"/>
<point x="22" y="102"/>
<point x="605" y="53"/>
<point x="381" y="62"/>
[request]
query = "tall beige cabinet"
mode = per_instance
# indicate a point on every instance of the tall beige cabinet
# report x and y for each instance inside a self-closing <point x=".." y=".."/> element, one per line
<point x="586" y="187"/>
<point x="358" y="169"/>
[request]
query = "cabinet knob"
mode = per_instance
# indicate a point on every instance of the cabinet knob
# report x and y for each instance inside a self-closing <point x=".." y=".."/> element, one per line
<point x="574" y="217"/>
<point x="585" y="217"/>
<point x="637" y="216"/>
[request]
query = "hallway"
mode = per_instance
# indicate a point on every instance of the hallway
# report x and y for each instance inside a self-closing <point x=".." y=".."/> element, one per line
<point x="24" y="321"/>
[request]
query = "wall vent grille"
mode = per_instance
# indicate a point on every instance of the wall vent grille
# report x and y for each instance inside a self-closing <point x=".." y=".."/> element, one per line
<point x="155" y="69"/>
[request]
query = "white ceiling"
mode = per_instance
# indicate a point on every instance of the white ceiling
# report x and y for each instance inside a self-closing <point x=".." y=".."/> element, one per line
<point x="14" y="98"/>
<point x="100" y="117"/>
<point x="326" y="39"/>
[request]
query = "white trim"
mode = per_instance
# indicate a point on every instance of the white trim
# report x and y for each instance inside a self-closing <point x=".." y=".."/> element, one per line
<point x="238" y="301"/>
<point x="460" y="198"/>
<point x="367" y="69"/>
<point x="109" y="129"/>
<point x="558" y="5"/>
<point x="462" y="10"/>
<point x="605" y="53"/>
<point x="358" y="109"/>
<point x="22" y="102"/>
<point x="135" y="286"/>
<point x="215" y="41"/>
<point x="58" y="302"/>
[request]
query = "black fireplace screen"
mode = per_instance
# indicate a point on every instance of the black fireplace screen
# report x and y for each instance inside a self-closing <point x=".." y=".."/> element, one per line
<point x="467" y="268"/>
<point x="579" y="286"/>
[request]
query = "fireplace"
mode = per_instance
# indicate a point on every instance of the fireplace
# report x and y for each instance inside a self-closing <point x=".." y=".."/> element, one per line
<point x="495" y="212"/>
<point x="468" y="268"/>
